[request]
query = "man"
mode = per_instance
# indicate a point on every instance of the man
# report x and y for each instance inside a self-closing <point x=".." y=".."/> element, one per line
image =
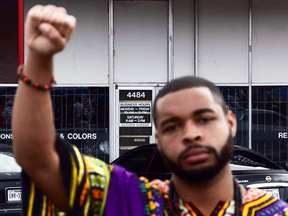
<point x="194" y="135"/>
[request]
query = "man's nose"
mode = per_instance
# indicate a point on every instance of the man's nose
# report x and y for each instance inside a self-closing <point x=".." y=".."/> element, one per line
<point x="191" y="133"/>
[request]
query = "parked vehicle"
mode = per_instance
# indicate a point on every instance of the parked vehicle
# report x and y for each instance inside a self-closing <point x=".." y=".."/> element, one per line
<point x="249" y="168"/>
<point x="10" y="187"/>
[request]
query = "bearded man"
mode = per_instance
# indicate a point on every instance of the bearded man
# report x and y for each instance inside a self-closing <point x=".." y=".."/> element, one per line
<point x="194" y="135"/>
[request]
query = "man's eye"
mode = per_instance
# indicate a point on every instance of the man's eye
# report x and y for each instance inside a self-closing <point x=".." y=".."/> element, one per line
<point x="170" y="128"/>
<point x="205" y="120"/>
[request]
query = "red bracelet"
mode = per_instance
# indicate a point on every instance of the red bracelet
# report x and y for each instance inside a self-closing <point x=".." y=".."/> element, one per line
<point x="36" y="85"/>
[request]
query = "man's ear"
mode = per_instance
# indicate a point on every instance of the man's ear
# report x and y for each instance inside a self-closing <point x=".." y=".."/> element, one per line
<point x="157" y="139"/>
<point x="232" y="121"/>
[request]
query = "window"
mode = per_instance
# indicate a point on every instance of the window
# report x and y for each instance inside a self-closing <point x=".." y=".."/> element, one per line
<point x="137" y="160"/>
<point x="245" y="161"/>
<point x="6" y="104"/>
<point x="81" y="116"/>
<point x="270" y="122"/>
<point x="157" y="165"/>
<point x="237" y="101"/>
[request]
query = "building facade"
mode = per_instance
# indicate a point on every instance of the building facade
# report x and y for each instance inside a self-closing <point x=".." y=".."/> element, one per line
<point x="123" y="52"/>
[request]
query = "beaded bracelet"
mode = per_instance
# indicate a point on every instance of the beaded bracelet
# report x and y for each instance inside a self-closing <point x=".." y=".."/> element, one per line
<point x="36" y="85"/>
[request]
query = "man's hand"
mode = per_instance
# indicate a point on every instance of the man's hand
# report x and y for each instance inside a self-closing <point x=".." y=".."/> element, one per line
<point x="48" y="29"/>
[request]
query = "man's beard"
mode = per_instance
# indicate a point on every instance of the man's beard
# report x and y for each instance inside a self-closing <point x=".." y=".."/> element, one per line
<point x="204" y="174"/>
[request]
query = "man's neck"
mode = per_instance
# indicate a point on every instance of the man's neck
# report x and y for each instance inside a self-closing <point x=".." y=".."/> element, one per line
<point x="205" y="195"/>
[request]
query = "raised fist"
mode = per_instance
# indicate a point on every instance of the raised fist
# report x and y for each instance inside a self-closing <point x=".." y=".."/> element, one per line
<point x="48" y="29"/>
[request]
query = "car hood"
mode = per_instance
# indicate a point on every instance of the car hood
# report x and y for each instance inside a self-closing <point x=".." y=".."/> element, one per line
<point x="9" y="175"/>
<point x="242" y="167"/>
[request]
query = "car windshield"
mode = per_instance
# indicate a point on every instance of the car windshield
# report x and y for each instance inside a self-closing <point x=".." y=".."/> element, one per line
<point x="7" y="161"/>
<point x="244" y="161"/>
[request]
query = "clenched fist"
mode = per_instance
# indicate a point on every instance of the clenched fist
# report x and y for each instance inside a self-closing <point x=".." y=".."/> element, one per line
<point x="48" y="29"/>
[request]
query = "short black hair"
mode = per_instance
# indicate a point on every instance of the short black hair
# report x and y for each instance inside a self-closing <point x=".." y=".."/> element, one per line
<point x="188" y="82"/>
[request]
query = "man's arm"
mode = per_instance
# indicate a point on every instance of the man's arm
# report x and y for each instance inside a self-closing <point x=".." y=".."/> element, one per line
<point x="47" y="29"/>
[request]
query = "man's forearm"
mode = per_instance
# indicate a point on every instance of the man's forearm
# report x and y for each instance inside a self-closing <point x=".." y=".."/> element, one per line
<point x="32" y="124"/>
<point x="47" y="30"/>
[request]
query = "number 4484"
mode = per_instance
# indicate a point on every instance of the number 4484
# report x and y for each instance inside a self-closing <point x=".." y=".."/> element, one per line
<point x="136" y="95"/>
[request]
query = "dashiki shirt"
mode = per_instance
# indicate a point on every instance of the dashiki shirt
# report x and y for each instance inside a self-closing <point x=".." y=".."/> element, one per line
<point x="95" y="188"/>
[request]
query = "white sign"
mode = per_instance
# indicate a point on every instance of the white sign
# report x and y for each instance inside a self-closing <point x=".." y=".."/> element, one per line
<point x="79" y="136"/>
<point x="138" y="104"/>
<point x="6" y="136"/>
<point x="135" y="124"/>
<point x="283" y="135"/>
<point x="13" y="195"/>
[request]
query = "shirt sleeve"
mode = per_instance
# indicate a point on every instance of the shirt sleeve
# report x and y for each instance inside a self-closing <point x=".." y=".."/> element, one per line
<point x="85" y="179"/>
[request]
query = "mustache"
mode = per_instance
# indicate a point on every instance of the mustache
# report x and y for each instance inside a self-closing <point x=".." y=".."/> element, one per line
<point x="207" y="148"/>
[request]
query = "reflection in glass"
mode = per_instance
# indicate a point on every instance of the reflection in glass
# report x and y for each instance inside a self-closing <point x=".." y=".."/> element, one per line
<point x="6" y="104"/>
<point x="270" y="122"/>
<point x="237" y="101"/>
<point x="81" y="116"/>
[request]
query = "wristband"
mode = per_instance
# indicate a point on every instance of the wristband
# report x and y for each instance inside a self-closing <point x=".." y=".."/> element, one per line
<point x="35" y="85"/>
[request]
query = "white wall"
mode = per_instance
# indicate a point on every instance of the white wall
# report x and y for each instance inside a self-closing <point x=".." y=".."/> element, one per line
<point x="223" y="40"/>
<point x="85" y="60"/>
<point x="140" y="41"/>
<point x="141" y="46"/>
<point x="270" y="41"/>
<point x="183" y="38"/>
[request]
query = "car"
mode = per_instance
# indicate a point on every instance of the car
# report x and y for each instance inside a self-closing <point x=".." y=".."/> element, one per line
<point x="10" y="185"/>
<point x="249" y="168"/>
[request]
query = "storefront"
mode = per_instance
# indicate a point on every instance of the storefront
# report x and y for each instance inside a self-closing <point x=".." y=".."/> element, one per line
<point x="123" y="52"/>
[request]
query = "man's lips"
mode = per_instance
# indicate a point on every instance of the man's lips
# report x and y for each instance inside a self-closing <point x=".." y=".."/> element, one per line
<point x="196" y="155"/>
